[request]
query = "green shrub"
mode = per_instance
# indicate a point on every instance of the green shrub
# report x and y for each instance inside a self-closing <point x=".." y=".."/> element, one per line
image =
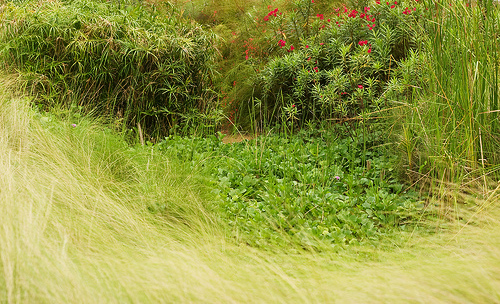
<point x="141" y="63"/>
<point x="338" y="65"/>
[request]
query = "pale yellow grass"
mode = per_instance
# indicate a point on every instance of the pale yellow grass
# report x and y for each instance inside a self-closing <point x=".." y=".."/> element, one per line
<point x="72" y="231"/>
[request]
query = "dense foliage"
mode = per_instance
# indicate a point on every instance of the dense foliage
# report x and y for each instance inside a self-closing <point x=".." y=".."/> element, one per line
<point x="312" y="186"/>
<point x="137" y="63"/>
<point x="339" y="64"/>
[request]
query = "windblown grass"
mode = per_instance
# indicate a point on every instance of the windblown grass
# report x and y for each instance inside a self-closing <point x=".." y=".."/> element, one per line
<point x="75" y="228"/>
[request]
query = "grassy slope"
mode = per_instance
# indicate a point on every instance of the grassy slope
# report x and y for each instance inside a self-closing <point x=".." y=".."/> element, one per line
<point x="74" y="229"/>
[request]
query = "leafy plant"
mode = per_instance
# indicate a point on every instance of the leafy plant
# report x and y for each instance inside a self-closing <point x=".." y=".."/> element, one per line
<point x="140" y="63"/>
<point x="341" y="64"/>
<point x="310" y="186"/>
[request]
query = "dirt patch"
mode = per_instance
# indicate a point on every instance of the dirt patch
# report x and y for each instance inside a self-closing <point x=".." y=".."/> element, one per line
<point x="235" y="138"/>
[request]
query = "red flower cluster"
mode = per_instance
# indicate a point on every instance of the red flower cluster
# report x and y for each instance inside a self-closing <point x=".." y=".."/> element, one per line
<point x="407" y="11"/>
<point x="271" y="13"/>
<point x="316" y="69"/>
<point x="355" y="13"/>
<point x="320" y="16"/>
<point x="394" y="5"/>
<point x="365" y="42"/>
<point x="250" y="48"/>
<point x="282" y="43"/>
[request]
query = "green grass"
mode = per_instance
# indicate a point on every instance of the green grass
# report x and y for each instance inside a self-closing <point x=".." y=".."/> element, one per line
<point x="450" y="127"/>
<point x="76" y="228"/>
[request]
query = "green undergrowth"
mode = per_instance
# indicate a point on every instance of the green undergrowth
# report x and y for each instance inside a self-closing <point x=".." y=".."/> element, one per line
<point x="312" y="188"/>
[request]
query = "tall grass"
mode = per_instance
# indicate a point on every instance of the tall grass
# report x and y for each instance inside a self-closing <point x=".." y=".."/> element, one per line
<point x="451" y="130"/>
<point x="76" y="228"/>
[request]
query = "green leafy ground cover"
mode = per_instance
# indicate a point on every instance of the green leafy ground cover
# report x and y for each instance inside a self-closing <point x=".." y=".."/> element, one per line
<point x="312" y="186"/>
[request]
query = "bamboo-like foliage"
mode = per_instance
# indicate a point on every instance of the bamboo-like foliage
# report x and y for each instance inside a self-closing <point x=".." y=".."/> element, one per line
<point x="143" y="64"/>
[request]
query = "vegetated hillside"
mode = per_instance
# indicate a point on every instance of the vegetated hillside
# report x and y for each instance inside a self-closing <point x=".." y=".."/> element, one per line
<point x="77" y="227"/>
<point x="309" y="213"/>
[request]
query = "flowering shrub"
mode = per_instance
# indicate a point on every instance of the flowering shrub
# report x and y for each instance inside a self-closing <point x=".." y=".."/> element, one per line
<point x="339" y="64"/>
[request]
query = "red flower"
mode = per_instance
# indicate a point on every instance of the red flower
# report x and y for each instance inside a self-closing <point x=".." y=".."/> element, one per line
<point x="316" y="69"/>
<point x="293" y="106"/>
<point x="353" y="14"/>
<point x="307" y="46"/>
<point x="360" y="86"/>
<point x="320" y="16"/>
<point x="393" y="6"/>
<point x="266" y="18"/>
<point x="282" y="43"/>
<point x="292" y="48"/>
<point x="369" y="50"/>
